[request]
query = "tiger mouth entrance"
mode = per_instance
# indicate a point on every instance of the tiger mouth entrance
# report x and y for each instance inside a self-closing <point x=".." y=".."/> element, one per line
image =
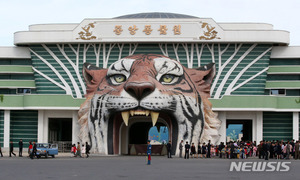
<point x="122" y="138"/>
<point x="141" y="132"/>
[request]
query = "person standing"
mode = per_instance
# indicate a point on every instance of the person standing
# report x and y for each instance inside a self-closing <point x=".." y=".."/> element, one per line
<point x="78" y="150"/>
<point x="221" y="146"/>
<point x="297" y="150"/>
<point x="187" y="150"/>
<point x="199" y="150"/>
<point x="87" y="147"/>
<point x="203" y="151"/>
<point x="288" y="150"/>
<point x="169" y="149"/>
<point x="149" y="147"/>
<point x="208" y="149"/>
<point x="292" y="143"/>
<point x="193" y="150"/>
<point x="278" y="150"/>
<point x="11" y="149"/>
<point x="266" y="149"/>
<point x="20" y="147"/>
<point x="180" y="148"/>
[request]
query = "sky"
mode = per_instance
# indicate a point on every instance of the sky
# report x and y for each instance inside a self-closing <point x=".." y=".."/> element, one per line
<point x="17" y="15"/>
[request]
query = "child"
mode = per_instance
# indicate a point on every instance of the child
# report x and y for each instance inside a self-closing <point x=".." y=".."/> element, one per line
<point x="73" y="150"/>
<point x="254" y="151"/>
<point x="83" y="150"/>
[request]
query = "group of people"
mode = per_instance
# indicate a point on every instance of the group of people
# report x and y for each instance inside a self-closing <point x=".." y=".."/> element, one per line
<point x="32" y="149"/>
<point x="80" y="150"/>
<point x="241" y="150"/>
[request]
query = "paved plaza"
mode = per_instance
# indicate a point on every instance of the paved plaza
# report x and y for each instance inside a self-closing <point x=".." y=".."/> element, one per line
<point x="131" y="167"/>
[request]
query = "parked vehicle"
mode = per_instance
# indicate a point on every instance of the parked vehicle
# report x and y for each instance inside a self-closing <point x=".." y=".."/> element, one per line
<point x="45" y="149"/>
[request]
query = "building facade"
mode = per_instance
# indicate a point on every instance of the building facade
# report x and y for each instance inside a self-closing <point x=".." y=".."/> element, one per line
<point x="256" y="86"/>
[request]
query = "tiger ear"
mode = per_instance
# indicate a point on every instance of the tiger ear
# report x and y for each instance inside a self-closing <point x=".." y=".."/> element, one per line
<point x="202" y="77"/>
<point x="92" y="75"/>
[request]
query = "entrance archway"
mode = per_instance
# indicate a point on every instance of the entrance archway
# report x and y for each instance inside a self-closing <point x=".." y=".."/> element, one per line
<point x="137" y="132"/>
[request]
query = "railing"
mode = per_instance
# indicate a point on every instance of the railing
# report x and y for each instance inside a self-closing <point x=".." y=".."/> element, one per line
<point x="64" y="146"/>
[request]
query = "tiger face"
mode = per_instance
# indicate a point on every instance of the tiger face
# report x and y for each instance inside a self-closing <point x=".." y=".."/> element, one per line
<point x="147" y="85"/>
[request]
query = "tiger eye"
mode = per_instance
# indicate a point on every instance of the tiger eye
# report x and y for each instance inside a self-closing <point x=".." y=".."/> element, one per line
<point x="167" y="78"/>
<point x="119" y="78"/>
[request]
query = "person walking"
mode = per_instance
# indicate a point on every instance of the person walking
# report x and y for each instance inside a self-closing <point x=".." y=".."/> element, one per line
<point x="180" y="148"/>
<point x="34" y="150"/>
<point x="30" y="148"/>
<point x="83" y="150"/>
<point x="73" y="150"/>
<point x="11" y="149"/>
<point x="87" y="148"/>
<point x="169" y="149"/>
<point x="149" y="147"/>
<point x="20" y="147"/>
<point x="187" y="150"/>
<point x="1" y="151"/>
<point x="78" y="150"/>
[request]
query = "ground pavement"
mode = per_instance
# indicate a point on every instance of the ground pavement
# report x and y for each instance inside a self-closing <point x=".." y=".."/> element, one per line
<point x="132" y="167"/>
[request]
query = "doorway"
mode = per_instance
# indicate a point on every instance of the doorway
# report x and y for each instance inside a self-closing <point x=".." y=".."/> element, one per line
<point x="60" y="129"/>
<point x="238" y="130"/>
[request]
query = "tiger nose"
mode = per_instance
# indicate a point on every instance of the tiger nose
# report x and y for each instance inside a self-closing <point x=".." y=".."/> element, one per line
<point x="139" y="90"/>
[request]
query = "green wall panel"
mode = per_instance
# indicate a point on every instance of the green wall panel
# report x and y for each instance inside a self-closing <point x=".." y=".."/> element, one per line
<point x="17" y="83"/>
<point x="278" y="126"/>
<point x="284" y="69"/>
<point x="15" y="69"/>
<point x="282" y="84"/>
<point x="1" y="127"/>
<point x="23" y="125"/>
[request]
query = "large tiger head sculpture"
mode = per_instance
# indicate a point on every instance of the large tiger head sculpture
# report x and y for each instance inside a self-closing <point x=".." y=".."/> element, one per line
<point x="147" y="85"/>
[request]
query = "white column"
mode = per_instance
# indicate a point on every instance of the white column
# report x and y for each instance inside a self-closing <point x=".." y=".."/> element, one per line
<point x="296" y="126"/>
<point x="6" y="137"/>
<point x="222" y="130"/>
<point x="75" y="128"/>
<point x="45" y="128"/>
<point x="254" y="126"/>
<point x="40" y="126"/>
<point x="259" y="126"/>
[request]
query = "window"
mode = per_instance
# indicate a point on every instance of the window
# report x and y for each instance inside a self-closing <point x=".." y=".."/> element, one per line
<point x="277" y="92"/>
<point x="24" y="91"/>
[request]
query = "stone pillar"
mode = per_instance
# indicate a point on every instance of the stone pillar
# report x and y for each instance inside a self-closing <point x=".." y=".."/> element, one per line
<point x="259" y="126"/>
<point x="40" y="138"/>
<point x="222" y="130"/>
<point x="6" y="128"/>
<point x="296" y="126"/>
